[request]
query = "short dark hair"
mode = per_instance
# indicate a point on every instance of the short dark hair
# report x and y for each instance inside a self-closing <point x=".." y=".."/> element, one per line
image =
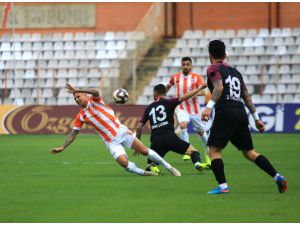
<point x="186" y="59"/>
<point x="216" y="49"/>
<point x="160" y="89"/>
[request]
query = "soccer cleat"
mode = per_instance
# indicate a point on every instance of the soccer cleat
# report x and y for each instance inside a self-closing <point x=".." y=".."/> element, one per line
<point x="175" y="172"/>
<point x="281" y="184"/>
<point x="186" y="157"/>
<point x="199" y="167"/>
<point x="207" y="160"/>
<point x="218" y="190"/>
<point x="154" y="169"/>
<point x="206" y="166"/>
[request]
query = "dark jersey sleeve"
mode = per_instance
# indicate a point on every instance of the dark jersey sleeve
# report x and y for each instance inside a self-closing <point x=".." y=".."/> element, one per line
<point x="173" y="102"/>
<point x="213" y="73"/>
<point x="144" y="118"/>
<point x="243" y="85"/>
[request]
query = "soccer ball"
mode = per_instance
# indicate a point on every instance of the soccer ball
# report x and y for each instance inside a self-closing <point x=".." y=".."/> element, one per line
<point x="120" y="96"/>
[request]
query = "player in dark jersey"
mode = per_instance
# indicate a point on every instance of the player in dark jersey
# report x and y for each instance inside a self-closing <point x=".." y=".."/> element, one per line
<point x="160" y="113"/>
<point x="231" y="121"/>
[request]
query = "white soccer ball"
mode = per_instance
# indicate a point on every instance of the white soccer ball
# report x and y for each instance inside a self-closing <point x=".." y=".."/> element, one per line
<point x="120" y="96"/>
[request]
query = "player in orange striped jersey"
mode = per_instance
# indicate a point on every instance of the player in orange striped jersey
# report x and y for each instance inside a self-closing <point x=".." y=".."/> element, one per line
<point x="190" y="110"/>
<point x="116" y="136"/>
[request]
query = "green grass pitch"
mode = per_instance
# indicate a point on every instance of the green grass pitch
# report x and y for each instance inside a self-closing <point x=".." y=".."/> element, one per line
<point x="84" y="184"/>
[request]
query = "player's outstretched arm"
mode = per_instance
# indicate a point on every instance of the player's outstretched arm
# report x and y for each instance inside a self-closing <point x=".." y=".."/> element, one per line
<point x="168" y="87"/>
<point x="139" y="130"/>
<point x="192" y="93"/>
<point x="71" y="137"/>
<point x="72" y="90"/>
<point x="250" y="105"/>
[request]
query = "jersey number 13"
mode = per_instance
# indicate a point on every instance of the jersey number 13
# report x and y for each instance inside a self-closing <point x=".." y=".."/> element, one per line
<point x="158" y="114"/>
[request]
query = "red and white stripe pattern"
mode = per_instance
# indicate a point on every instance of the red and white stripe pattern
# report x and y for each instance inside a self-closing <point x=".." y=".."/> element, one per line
<point x="101" y="117"/>
<point x="185" y="84"/>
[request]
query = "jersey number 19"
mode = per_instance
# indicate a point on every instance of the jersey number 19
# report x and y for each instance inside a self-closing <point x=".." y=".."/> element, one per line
<point x="234" y="87"/>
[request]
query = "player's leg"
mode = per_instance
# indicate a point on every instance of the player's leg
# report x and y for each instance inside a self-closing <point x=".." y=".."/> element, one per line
<point x="264" y="164"/>
<point x="153" y="166"/>
<point x="182" y="147"/>
<point x="199" y="126"/>
<point x="157" y="144"/>
<point x="118" y="153"/>
<point x="138" y="146"/>
<point x="217" y="166"/>
<point x="184" y="135"/>
<point x="183" y="120"/>
<point x="195" y="156"/>
<point x="220" y="134"/>
<point x="243" y="141"/>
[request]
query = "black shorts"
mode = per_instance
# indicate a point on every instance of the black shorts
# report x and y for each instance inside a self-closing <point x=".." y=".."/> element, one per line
<point x="231" y="125"/>
<point x="168" y="141"/>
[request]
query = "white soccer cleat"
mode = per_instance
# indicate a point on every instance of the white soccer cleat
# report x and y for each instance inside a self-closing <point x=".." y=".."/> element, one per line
<point x="175" y="172"/>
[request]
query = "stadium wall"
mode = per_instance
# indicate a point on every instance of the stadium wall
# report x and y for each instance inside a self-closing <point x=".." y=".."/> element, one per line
<point x="181" y="16"/>
<point x="278" y="118"/>
<point x="109" y="16"/>
<point x="236" y="15"/>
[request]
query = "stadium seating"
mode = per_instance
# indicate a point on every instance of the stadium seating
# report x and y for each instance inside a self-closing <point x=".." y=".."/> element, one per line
<point x="37" y="63"/>
<point x="268" y="59"/>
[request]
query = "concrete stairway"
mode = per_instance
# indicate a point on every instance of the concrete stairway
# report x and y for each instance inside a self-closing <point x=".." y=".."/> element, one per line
<point x="149" y="66"/>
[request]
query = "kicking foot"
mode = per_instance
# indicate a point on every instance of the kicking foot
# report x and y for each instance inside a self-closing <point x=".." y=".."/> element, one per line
<point x="175" y="172"/>
<point x="186" y="157"/>
<point x="219" y="190"/>
<point x="281" y="184"/>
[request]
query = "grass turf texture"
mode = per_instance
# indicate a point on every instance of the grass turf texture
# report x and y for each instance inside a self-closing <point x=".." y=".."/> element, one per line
<point x="84" y="184"/>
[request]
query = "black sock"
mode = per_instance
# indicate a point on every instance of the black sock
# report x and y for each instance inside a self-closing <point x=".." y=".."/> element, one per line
<point x="217" y="167"/>
<point x="195" y="156"/>
<point x="263" y="163"/>
<point x="152" y="163"/>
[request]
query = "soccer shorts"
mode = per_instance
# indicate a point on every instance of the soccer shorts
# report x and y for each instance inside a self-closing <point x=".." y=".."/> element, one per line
<point x="198" y="124"/>
<point x="231" y="125"/>
<point x="168" y="141"/>
<point x="121" y="141"/>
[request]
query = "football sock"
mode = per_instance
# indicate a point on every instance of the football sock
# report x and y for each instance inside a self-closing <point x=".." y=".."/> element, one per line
<point x="263" y="163"/>
<point x="276" y="176"/>
<point x="195" y="156"/>
<point x="217" y="167"/>
<point x="184" y="135"/>
<point x="223" y="186"/>
<point x="152" y="163"/>
<point x="155" y="157"/>
<point x="132" y="168"/>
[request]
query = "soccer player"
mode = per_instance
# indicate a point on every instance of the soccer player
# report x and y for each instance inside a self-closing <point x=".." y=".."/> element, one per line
<point x="160" y="113"/>
<point x="115" y="135"/>
<point x="231" y="122"/>
<point x="189" y="110"/>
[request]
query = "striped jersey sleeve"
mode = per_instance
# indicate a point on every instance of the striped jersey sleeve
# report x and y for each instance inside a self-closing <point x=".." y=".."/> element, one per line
<point x="78" y="122"/>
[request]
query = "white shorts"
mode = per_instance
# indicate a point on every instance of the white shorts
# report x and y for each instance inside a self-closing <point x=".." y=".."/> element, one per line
<point x="198" y="124"/>
<point x="121" y="141"/>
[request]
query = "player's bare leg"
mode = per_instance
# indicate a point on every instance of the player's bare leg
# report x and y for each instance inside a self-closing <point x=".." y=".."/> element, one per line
<point x="139" y="147"/>
<point x="184" y="135"/>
